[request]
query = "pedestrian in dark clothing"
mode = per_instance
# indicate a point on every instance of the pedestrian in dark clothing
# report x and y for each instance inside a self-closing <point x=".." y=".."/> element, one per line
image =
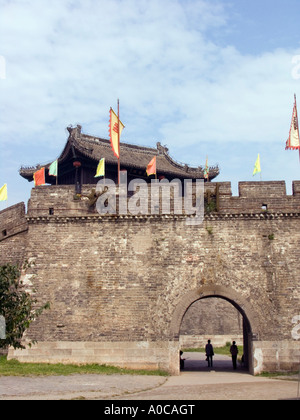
<point x="234" y="352"/>
<point x="209" y="350"/>
<point x="181" y="360"/>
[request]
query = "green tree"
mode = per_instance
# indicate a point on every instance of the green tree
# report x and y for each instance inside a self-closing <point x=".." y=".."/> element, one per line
<point x="17" y="306"/>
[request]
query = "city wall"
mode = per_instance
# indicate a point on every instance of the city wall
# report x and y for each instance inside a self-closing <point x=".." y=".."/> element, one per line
<point x="119" y="285"/>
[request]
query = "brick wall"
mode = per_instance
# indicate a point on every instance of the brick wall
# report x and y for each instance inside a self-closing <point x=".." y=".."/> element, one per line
<point x="115" y="272"/>
<point x="212" y="317"/>
<point x="117" y="279"/>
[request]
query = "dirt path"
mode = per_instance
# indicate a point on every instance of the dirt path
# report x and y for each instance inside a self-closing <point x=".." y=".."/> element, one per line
<point x="196" y="382"/>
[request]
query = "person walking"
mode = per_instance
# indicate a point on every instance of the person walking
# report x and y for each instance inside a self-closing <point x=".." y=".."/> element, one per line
<point x="209" y="350"/>
<point x="181" y="360"/>
<point x="234" y="352"/>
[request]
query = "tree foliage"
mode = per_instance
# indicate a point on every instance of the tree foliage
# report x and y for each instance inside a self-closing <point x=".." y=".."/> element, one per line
<point x="18" y="307"/>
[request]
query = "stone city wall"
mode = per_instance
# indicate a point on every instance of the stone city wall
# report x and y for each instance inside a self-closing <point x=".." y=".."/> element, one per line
<point x="120" y="282"/>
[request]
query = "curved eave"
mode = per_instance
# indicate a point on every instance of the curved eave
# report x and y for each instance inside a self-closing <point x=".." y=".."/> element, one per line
<point x="133" y="157"/>
<point x="27" y="173"/>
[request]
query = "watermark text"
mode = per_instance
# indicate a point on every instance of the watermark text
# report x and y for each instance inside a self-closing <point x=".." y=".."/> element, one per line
<point x="296" y="329"/>
<point x="159" y="197"/>
<point x="2" y="328"/>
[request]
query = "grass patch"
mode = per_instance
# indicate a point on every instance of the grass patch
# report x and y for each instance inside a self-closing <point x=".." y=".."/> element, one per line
<point x="16" y="368"/>
<point x="279" y="374"/>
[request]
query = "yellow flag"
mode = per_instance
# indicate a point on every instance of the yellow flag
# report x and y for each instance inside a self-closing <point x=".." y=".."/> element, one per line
<point x="115" y="131"/>
<point x="100" y="168"/>
<point x="257" y="166"/>
<point x="3" y="193"/>
<point x="206" y="170"/>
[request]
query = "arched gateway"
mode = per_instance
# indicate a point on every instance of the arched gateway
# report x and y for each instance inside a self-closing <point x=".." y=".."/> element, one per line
<point x="239" y="302"/>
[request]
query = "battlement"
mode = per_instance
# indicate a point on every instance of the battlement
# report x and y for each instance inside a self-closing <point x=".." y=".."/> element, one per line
<point x="13" y="230"/>
<point x="270" y="196"/>
<point x="12" y="221"/>
<point x="262" y="189"/>
<point x="254" y="198"/>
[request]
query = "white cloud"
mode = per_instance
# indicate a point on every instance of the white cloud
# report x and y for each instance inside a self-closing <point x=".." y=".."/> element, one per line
<point x="67" y="62"/>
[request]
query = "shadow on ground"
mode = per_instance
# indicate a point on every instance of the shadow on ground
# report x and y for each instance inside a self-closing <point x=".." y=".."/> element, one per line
<point x="195" y="362"/>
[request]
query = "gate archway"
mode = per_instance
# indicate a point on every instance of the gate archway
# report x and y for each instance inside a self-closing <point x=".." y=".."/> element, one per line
<point x="240" y="302"/>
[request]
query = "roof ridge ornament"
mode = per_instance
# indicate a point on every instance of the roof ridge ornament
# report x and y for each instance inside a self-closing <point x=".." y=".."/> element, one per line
<point x="74" y="131"/>
<point x="161" y="149"/>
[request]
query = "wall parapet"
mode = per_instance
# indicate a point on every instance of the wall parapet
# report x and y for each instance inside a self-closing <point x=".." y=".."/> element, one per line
<point x="12" y="221"/>
<point x="266" y="199"/>
<point x="13" y="231"/>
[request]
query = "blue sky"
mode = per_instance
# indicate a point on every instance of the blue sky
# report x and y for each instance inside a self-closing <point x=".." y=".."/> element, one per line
<point x="206" y="78"/>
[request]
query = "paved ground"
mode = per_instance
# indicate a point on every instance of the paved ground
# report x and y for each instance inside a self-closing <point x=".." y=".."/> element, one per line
<point x="196" y="382"/>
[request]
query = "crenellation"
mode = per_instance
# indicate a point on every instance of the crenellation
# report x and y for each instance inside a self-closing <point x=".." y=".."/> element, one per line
<point x="296" y="187"/>
<point x="13" y="232"/>
<point x="262" y="189"/>
<point x="254" y="197"/>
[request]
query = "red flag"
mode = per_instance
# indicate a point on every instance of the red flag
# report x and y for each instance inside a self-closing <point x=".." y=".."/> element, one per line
<point x="39" y="177"/>
<point x="151" y="168"/>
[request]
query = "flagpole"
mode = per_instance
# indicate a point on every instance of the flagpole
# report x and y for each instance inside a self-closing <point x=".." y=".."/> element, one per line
<point x="119" y="166"/>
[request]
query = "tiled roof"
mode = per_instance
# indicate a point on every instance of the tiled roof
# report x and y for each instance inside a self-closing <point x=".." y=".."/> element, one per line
<point x="131" y="156"/>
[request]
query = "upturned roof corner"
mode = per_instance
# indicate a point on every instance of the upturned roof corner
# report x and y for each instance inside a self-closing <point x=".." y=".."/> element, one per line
<point x="90" y="149"/>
